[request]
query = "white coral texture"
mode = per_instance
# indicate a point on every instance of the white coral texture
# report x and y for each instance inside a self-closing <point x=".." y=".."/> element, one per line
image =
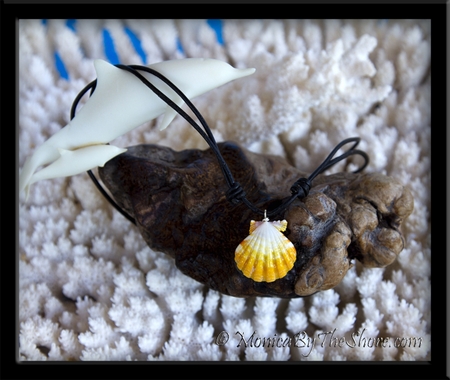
<point x="90" y="289"/>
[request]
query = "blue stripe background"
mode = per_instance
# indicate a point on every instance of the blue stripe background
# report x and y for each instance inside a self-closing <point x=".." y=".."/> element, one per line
<point x="110" y="51"/>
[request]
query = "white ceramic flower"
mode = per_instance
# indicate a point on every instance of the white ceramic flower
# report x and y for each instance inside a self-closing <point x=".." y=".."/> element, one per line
<point x="120" y="103"/>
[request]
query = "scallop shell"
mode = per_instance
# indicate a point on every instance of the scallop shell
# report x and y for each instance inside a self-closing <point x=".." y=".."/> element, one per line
<point x="266" y="254"/>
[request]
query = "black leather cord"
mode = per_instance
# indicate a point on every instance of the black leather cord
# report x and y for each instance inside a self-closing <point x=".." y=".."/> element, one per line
<point x="235" y="193"/>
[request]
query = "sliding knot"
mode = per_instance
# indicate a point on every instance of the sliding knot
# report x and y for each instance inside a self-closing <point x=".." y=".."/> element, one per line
<point x="235" y="193"/>
<point x="301" y="188"/>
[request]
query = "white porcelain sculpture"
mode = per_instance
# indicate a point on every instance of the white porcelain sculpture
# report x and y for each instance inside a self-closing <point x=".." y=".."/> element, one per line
<point x="120" y="103"/>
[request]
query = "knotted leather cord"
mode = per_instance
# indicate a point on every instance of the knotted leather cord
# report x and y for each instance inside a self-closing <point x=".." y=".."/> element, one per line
<point x="235" y="193"/>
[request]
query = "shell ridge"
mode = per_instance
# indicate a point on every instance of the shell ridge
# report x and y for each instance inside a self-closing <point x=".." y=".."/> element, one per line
<point x="260" y="236"/>
<point x="286" y="253"/>
<point x="245" y="257"/>
<point x="256" y="245"/>
<point x="249" y="254"/>
<point x="274" y="254"/>
<point x="281" y="252"/>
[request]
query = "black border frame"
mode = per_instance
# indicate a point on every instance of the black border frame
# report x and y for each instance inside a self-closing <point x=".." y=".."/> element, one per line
<point x="11" y="11"/>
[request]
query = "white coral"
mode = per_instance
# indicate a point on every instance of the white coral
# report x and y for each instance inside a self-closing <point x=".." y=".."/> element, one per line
<point x="89" y="286"/>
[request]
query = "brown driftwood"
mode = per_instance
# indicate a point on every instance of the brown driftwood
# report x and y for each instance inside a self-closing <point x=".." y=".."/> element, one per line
<point x="178" y="201"/>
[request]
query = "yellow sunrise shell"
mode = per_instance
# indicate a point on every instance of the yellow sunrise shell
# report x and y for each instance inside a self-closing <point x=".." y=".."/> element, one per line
<point x="266" y="254"/>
